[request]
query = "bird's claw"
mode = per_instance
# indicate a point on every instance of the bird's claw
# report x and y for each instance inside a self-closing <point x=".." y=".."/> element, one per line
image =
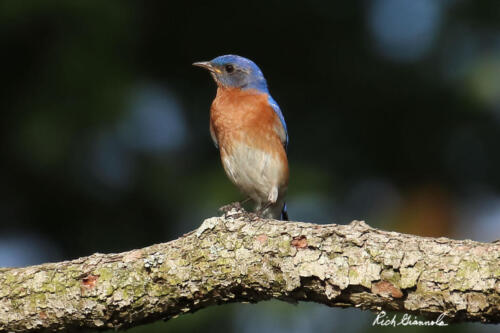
<point x="235" y="209"/>
<point x="232" y="206"/>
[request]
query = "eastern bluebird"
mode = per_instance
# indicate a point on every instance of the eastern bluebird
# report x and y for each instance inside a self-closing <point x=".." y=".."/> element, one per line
<point x="247" y="126"/>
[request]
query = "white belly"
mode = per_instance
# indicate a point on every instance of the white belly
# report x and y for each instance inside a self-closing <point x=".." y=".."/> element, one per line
<point x="258" y="174"/>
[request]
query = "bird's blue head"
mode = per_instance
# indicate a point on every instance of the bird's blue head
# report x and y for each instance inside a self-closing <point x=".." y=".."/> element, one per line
<point x="235" y="72"/>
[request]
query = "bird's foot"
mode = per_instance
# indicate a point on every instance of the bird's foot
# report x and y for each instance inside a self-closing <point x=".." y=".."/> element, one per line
<point x="245" y="201"/>
<point x="260" y="212"/>
<point x="231" y="209"/>
<point x="235" y="209"/>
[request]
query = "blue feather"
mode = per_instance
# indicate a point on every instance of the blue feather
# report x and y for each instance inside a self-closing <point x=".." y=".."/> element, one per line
<point x="252" y="78"/>
<point x="277" y="109"/>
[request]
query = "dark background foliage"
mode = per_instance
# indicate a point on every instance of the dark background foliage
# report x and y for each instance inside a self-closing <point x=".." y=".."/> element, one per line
<point x="393" y="109"/>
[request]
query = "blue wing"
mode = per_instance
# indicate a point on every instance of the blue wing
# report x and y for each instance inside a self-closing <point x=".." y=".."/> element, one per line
<point x="277" y="109"/>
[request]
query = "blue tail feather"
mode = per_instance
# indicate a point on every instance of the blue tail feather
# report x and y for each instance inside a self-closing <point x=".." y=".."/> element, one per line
<point x="284" y="213"/>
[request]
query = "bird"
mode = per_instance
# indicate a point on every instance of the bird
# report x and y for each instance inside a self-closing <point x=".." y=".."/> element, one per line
<point x="248" y="128"/>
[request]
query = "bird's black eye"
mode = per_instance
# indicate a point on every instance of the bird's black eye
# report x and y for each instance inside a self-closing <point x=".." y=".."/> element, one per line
<point x="229" y="68"/>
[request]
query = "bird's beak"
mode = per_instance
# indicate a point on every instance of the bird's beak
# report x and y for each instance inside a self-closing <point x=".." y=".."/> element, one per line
<point x="206" y="65"/>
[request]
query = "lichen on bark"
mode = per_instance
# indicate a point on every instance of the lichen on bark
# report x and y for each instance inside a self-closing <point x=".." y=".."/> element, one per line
<point x="239" y="257"/>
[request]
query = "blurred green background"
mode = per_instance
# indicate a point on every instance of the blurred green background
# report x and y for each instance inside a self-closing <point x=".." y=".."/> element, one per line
<point x="393" y="110"/>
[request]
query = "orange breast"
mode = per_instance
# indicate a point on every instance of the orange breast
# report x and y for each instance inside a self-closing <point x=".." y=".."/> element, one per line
<point x="245" y="116"/>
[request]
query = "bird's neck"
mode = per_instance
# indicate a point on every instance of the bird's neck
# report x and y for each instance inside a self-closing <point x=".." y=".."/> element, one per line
<point x="259" y="85"/>
<point x="237" y="94"/>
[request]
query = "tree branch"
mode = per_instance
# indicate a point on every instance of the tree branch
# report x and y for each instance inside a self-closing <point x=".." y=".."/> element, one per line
<point x="239" y="257"/>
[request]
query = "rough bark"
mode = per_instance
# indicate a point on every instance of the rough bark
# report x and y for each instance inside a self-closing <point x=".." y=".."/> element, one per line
<point x="239" y="257"/>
